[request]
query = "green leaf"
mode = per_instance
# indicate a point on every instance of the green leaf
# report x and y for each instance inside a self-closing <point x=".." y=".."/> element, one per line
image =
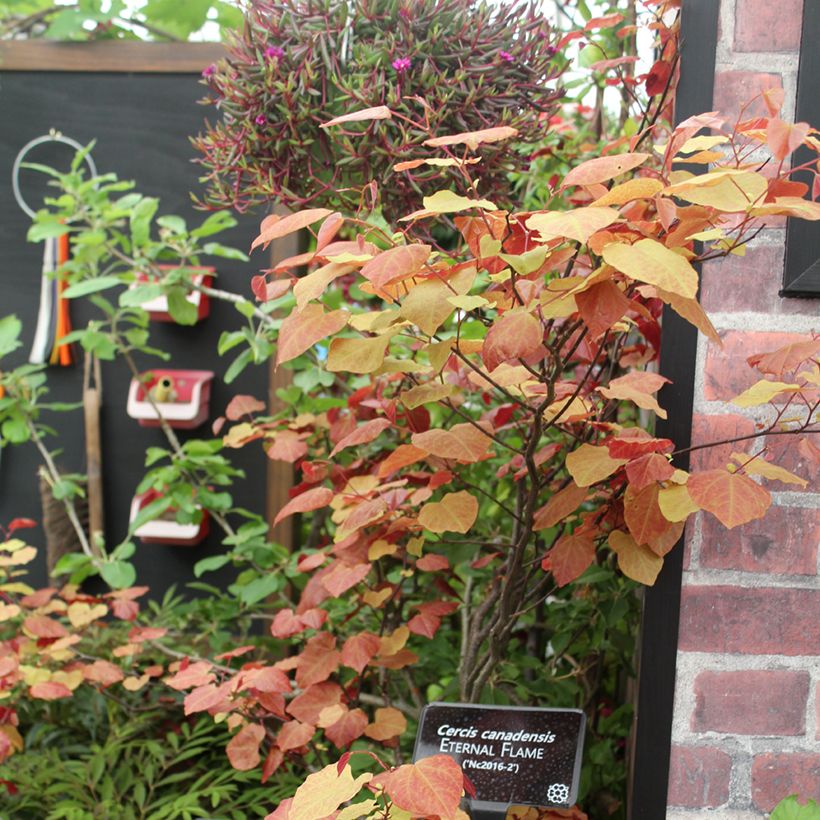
<point x="174" y="224"/>
<point x="238" y="365"/>
<point x="72" y="562"/>
<point x="91" y="286"/>
<point x="10" y="327"/>
<point x="15" y="431"/>
<point x="118" y="574"/>
<point x="46" y="230"/>
<point x="141" y="217"/>
<point x="258" y="589"/>
<point x="790" y="809"/>
<point x="133" y="297"/>
<point x="215" y="223"/>
<point x="182" y="311"/>
<point x="210" y="564"/>
<point x="215" y="249"/>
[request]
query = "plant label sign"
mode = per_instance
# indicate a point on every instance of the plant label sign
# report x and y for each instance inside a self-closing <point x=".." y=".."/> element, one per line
<point x="513" y="755"/>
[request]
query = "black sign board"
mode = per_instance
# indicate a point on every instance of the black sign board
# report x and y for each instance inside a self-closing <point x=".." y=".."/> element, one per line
<point x="513" y="755"/>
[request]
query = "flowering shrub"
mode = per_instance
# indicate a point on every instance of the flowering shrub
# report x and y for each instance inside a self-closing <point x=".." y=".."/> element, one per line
<point x="459" y="65"/>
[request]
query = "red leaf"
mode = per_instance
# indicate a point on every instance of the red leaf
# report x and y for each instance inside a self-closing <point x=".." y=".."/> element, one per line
<point x="243" y="750"/>
<point x="308" y="706"/>
<point x="343" y="577"/>
<point x="313" y="499"/>
<point x="41" y="626"/>
<point x="243" y="406"/>
<point x="362" y="435"/>
<point x="347" y="728"/>
<point x="431" y="786"/>
<point x="294" y="735"/>
<point x="657" y="78"/>
<point x="195" y="674"/>
<point x="318" y="661"/>
<point x="432" y="562"/>
<point x="424" y="624"/>
<point x="49" y="690"/>
<point x="359" y="650"/>
<point x="301" y="330"/>
<point x="647" y="469"/>
<point x="276" y="228"/>
<point x="266" y="679"/>
<point x="570" y="556"/>
<point x="20" y="524"/>
<point x="286" y="624"/>
<point x="205" y="697"/>
<point x="516" y="335"/>
<point x="272" y="762"/>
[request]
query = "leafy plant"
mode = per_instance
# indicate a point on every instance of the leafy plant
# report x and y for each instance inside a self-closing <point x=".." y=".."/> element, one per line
<point x="791" y="808"/>
<point x="458" y="65"/>
<point x="161" y="20"/>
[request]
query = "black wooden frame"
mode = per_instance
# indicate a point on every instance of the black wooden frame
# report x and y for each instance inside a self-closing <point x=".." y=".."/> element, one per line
<point x="661" y="609"/>
<point x="801" y="276"/>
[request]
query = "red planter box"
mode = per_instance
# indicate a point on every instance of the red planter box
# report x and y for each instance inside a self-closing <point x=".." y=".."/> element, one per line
<point x="162" y="531"/>
<point x="158" y="308"/>
<point x="182" y="397"/>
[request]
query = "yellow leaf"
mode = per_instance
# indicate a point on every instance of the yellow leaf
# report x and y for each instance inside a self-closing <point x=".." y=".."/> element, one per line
<point x="358" y="810"/>
<point x="573" y="410"/>
<point x="427" y="305"/>
<point x="702" y="143"/>
<point x="395" y="641"/>
<point x="456" y="512"/>
<point x="357" y="355"/>
<point x="789" y="206"/>
<point x="691" y="310"/>
<point x="727" y="189"/>
<point x="650" y="261"/>
<point x="590" y="464"/>
<point x="313" y="285"/>
<point x="765" y="469"/>
<point x="414" y="546"/>
<point x="636" y="561"/>
<point x="376" y="598"/>
<point x="467" y="302"/>
<point x="763" y="392"/>
<point x="675" y="503"/>
<point x="81" y="614"/>
<point x="527" y="262"/>
<point x="643" y="188"/>
<point x="378" y="549"/>
<point x="578" y="224"/>
<point x="449" y="202"/>
<point x="8" y="611"/>
<point x="324" y="791"/>
<point x="425" y="393"/>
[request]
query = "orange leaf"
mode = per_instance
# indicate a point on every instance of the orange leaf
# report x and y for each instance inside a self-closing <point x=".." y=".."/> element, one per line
<point x="309" y="705"/>
<point x="396" y="263"/>
<point x="243" y="406"/>
<point x="602" y="169"/>
<point x="601" y="305"/>
<point x="243" y="750"/>
<point x="474" y="138"/>
<point x="288" y="224"/>
<point x="433" y="786"/>
<point x="783" y="137"/>
<point x="462" y="442"/>
<point x="647" y="469"/>
<point x="49" y="690"/>
<point x="570" y="556"/>
<point x="389" y="723"/>
<point x="359" y="650"/>
<point x="377" y="112"/>
<point x="733" y="499"/>
<point x="785" y="359"/>
<point x="363" y="434"/>
<point x="432" y="562"/>
<point x="637" y="562"/>
<point x="343" y="577"/>
<point x="294" y="735"/>
<point x="645" y="520"/>
<point x="347" y="728"/>
<point x="456" y="512"/>
<point x="402" y="456"/>
<point x="300" y="331"/>
<point x="517" y="334"/>
<point x="313" y="499"/>
<point x="590" y="464"/>
<point x="563" y="503"/>
<point x="318" y="661"/>
<point x="195" y="674"/>
<point x="637" y="387"/>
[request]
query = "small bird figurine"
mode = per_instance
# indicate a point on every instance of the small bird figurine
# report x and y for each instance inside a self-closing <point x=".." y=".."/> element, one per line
<point x="163" y="390"/>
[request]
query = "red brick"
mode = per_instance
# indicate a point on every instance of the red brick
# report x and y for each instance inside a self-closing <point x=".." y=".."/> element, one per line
<point x="785" y="541"/>
<point x="735" y="89"/>
<point x="751" y="702"/>
<point x="718" y="427"/>
<point x="747" y="283"/>
<point x="785" y="452"/>
<point x="760" y="621"/>
<point x="775" y="776"/>
<point x="698" y="777"/>
<point x="817" y="712"/>
<point x="727" y="373"/>
<point x="763" y="25"/>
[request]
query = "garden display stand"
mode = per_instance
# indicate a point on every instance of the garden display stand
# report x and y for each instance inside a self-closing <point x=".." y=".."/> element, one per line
<point x="163" y="531"/>
<point x="190" y="391"/>
<point x="158" y="308"/>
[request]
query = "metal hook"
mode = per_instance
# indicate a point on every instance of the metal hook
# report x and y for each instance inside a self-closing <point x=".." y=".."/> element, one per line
<point x="52" y="136"/>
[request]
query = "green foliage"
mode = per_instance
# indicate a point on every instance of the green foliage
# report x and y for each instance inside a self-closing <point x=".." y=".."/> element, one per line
<point x="791" y="808"/>
<point x="101" y="20"/>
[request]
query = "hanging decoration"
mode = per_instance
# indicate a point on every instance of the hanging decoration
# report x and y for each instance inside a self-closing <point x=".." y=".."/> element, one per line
<point x="53" y="315"/>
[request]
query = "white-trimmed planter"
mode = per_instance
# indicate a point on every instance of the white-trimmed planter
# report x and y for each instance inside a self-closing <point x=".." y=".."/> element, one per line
<point x="161" y="531"/>
<point x="158" y="308"/>
<point x="190" y="407"/>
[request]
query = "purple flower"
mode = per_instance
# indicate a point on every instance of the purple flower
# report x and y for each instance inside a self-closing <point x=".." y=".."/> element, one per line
<point x="261" y="119"/>
<point x="402" y="64"/>
<point x="506" y="56"/>
<point x="274" y="51"/>
<point x="209" y="71"/>
<point x="551" y="51"/>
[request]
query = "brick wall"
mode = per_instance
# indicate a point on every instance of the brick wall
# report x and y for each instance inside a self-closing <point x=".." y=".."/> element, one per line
<point x="747" y="697"/>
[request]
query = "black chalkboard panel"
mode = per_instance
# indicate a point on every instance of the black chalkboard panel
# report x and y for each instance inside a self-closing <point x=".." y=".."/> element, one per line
<point x="513" y="755"/>
<point x="142" y="123"/>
